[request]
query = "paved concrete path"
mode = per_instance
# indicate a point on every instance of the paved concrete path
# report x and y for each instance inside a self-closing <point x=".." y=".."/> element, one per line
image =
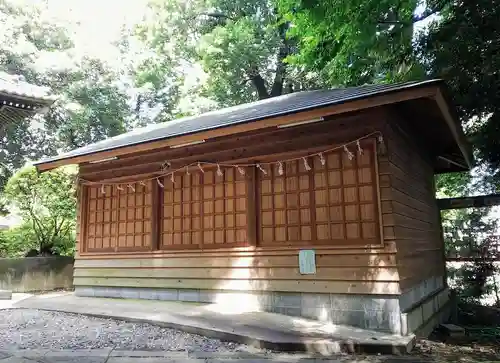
<point x="263" y="330"/>
<point x="117" y="356"/>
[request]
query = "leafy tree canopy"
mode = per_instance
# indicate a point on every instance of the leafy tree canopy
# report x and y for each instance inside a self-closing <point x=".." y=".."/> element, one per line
<point x="46" y="201"/>
<point x="240" y="45"/>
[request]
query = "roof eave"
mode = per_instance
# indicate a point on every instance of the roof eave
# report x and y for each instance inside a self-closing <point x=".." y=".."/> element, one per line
<point x="421" y="90"/>
<point x="430" y="89"/>
<point x="449" y="114"/>
<point x="46" y="101"/>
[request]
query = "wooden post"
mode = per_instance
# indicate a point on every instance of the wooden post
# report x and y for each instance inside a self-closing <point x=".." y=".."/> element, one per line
<point x="83" y="206"/>
<point x="251" y="207"/>
<point x="156" y="203"/>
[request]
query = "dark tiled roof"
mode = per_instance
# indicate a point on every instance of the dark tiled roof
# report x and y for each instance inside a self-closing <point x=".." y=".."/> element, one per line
<point x="277" y="106"/>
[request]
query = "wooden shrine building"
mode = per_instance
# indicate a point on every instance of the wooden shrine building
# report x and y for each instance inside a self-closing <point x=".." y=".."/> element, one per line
<point x="318" y="204"/>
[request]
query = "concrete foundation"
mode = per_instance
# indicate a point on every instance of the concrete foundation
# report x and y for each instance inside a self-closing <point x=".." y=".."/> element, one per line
<point x="402" y="314"/>
<point x="5" y="295"/>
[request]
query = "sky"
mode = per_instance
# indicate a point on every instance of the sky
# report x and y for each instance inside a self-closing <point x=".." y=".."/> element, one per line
<point x="97" y="23"/>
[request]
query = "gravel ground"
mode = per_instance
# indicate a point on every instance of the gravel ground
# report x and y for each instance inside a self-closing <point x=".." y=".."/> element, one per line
<point x="35" y="329"/>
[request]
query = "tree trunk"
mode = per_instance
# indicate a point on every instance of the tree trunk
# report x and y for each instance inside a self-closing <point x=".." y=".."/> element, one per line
<point x="495" y="287"/>
<point x="283" y="52"/>
<point x="260" y="86"/>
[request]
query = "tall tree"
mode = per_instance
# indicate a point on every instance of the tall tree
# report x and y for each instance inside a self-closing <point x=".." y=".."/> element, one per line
<point x="91" y="105"/>
<point x="241" y="45"/>
<point x="462" y="47"/>
<point x="355" y="42"/>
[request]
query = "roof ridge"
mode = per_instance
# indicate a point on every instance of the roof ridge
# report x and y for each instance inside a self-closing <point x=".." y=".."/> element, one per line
<point x="239" y="114"/>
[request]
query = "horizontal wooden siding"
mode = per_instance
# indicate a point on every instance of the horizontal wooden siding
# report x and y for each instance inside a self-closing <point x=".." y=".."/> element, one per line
<point x="336" y="273"/>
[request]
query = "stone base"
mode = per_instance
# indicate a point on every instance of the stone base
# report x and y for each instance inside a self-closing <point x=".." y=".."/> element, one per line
<point x="5" y="295"/>
<point x="423" y="318"/>
<point x="396" y="314"/>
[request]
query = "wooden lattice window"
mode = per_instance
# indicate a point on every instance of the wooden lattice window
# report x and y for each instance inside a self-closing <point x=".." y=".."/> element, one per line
<point x="335" y="203"/>
<point x="118" y="220"/>
<point x="204" y="210"/>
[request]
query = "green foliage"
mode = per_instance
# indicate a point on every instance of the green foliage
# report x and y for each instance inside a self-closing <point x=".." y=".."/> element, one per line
<point x="240" y="45"/>
<point x="17" y="241"/>
<point x="46" y="202"/>
<point x="91" y="104"/>
<point x="471" y="233"/>
<point x="453" y="185"/>
<point x="462" y="48"/>
<point x="354" y="42"/>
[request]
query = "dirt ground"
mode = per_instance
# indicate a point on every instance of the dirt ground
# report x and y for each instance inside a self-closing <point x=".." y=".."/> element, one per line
<point x="466" y="349"/>
<point x="480" y="343"/>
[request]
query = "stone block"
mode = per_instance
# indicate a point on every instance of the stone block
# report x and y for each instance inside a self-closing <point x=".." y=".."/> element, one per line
<point x="374" y="319"/>
<point x="382" y="321"/>
<point x="453" y="330"/>
<point x="84" y="291"/>
<point x="242" y="300"/>
<point x="148" y="294"/>
<point x="129" y="293"/>
<point x="211" y="296"/>
<point x="264" y="299"/>
<point x="435" y="305"/>
<point x="365" y="303"/>
<point x="317" y="313"/>
<point x="421" y="293"/>
<point x="167" y="294"/>
<point x="189" y="295"/>
<point x="348" y="317"/>
<point x="5" y="295"/>
<point x="114" y="292"/>
<point x="390" y="304"/>
<point x="287" y="311"/>
<point x="316" y="301"/>
<point x="427" y="310"/>
<point x="414" y="319"/>
<point x="100" y="291"/>
<point x="344" y="302"/>
<point x="404" y="324"/>
<point x="287" y="300"/>
<point x="405" y="300"/>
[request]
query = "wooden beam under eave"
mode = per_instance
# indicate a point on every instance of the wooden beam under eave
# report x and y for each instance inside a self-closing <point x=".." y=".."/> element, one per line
<point x="455" y="127"/>
<point x="264" y="150"/>
<point x="479" y="201"/>
<point x="342" y="125"/>
<point x="365" y="103"/>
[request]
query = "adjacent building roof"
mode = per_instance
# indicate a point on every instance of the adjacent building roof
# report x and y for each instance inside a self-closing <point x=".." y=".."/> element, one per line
<point x="15" y="86"/>
<point x="20" y="99"/>
<point x="248" y="112"/>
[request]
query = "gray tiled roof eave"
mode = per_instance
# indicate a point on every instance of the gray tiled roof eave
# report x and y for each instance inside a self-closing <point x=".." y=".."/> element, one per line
<point x="249" y="112"/>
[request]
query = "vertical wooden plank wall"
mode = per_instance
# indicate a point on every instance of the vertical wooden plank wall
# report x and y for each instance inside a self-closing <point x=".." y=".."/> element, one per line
<point x="411" y="212"/>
